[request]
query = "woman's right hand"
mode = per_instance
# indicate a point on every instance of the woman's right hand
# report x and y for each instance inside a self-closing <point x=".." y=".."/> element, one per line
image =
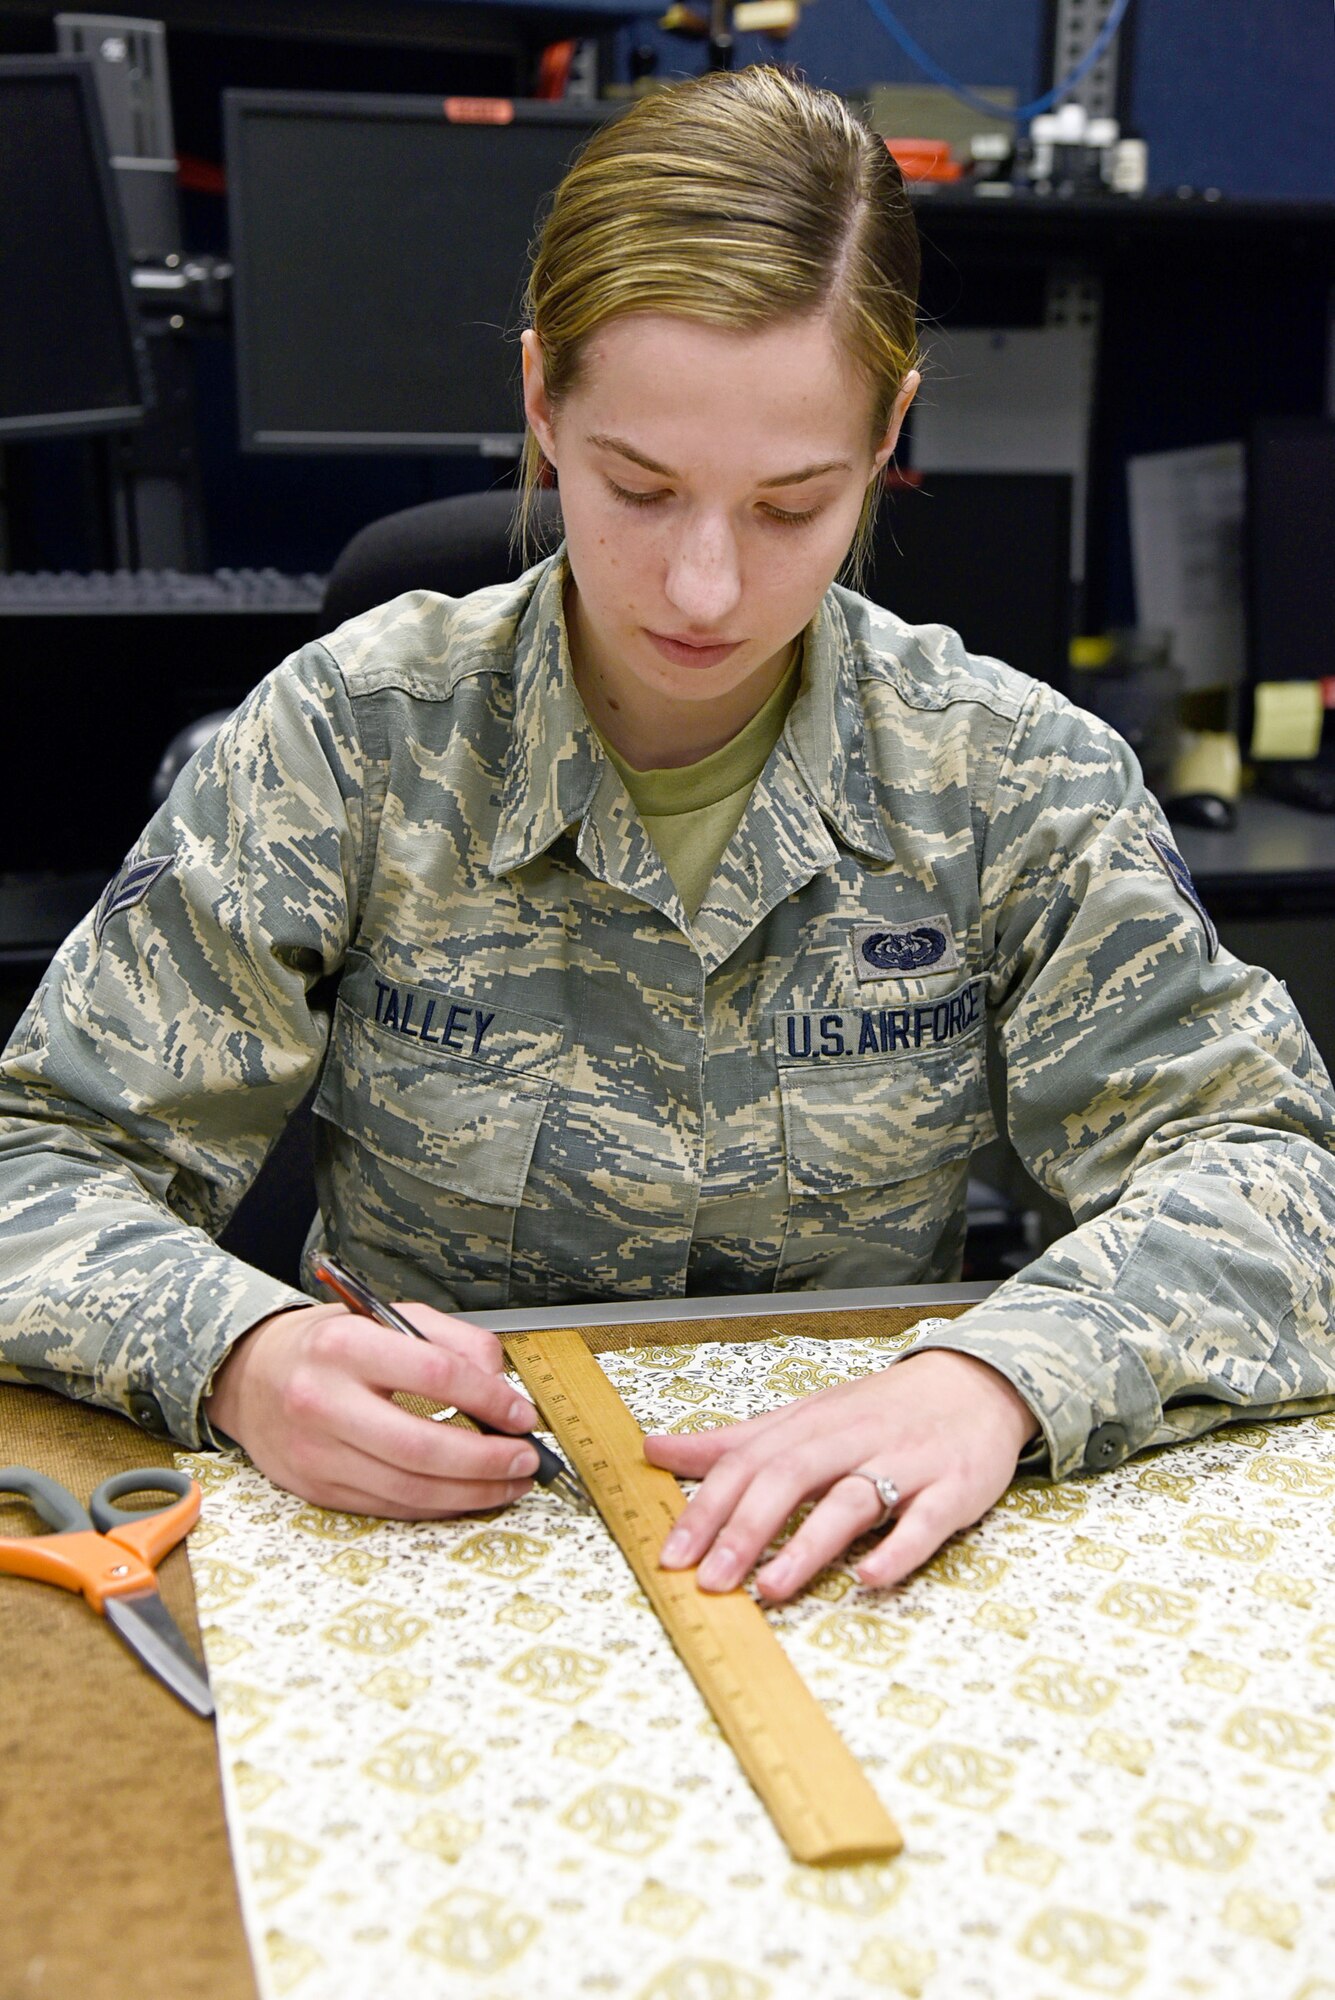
<point x="307" y="1394"/>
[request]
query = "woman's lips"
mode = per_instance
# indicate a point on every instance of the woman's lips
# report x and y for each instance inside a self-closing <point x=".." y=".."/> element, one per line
<point x="683" y="653"/>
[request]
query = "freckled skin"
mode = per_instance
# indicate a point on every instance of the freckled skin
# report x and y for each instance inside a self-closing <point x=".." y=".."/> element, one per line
<point x="702" y="555"/>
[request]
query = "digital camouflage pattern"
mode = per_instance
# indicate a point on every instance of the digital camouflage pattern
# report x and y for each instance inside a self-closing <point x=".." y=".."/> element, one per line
<point x="405" y="868"/>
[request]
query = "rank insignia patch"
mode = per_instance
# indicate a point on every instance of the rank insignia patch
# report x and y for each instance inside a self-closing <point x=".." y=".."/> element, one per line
<point x="882" y="951"/>
<point x="1184" y="885"/>
<point x="127" y="888"/>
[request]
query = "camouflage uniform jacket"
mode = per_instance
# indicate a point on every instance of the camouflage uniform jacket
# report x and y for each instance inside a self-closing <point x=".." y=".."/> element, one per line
<point x="405" y="869"/>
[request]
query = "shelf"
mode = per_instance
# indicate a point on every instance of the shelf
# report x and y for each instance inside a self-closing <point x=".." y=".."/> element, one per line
<point x="1113" y="223"/>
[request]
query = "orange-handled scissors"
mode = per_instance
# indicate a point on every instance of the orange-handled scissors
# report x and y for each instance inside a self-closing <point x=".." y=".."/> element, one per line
<point x="111" y="1556"/>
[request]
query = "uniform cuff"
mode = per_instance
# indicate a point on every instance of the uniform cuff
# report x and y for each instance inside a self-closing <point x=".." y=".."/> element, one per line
<point x="160" y="1363"/>
<point x="1086" y="1384"/>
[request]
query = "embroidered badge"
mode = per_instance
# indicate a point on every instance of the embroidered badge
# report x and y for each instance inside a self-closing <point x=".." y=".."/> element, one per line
<point x="1184" y="885"/>
<point x="882" y="950"/>
<point x="880" y="1031"/>
<point x="127" y="888"/>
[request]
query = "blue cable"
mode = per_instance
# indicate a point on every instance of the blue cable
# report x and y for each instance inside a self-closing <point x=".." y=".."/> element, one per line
<point x="961" y="90"/>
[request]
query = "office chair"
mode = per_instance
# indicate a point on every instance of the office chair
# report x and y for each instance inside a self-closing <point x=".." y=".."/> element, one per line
<point x="453" y="546"/>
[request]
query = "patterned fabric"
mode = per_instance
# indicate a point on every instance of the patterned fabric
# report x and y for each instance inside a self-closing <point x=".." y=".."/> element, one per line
<point x="406" y="867"/>
<point x="463" y="1757"/>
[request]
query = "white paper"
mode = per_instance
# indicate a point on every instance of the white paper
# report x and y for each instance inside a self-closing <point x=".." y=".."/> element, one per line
<point x="1186" y="546"/>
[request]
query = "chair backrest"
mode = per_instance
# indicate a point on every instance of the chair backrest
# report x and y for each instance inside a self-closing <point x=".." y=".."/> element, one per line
<point x="181" y="749"/>
<point x="453" y="546"/>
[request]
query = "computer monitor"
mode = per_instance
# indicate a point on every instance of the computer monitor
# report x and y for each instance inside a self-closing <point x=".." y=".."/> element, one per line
<point x="1289" y="568"/>
<point x="380" y="246"/>
<point x="1290" y="549"/>
<point x="988" y="553"/>
<point x="72" y="355"/>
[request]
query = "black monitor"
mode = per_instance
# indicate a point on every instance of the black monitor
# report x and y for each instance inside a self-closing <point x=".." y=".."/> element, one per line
<point x="1290" y="550"/>
<point x="72" y="354"/>
<point x="380" y="246"/>
<point x="988" y="553"/>
<point x="1289" y="568"/>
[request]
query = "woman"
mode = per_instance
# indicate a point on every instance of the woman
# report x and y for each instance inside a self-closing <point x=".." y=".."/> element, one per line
<point x="652" y="924"/>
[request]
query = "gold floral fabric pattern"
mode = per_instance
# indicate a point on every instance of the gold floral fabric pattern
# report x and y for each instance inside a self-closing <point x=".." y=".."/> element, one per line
<point x="462" y="1757"/>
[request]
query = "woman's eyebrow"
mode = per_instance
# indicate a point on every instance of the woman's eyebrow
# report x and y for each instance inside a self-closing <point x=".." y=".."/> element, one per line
<point x="625" y="450"/>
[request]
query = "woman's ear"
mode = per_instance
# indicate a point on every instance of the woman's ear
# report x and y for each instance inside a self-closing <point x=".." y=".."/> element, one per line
<point x="908" y="389"/>
<point x="537" y="405"/>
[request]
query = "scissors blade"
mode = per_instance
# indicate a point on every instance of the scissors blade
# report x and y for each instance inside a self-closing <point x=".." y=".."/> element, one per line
<point x="149" y="1630"/>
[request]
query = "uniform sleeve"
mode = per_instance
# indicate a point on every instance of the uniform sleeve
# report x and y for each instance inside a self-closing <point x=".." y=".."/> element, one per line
<point x="1170" y="1095"/>
<point x="176" y="1029"/>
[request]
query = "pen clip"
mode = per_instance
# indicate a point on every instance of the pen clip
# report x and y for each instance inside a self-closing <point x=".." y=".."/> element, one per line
<point x="360" y="1297"/>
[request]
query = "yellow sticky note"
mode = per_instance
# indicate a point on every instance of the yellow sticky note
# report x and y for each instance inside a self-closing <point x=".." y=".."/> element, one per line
<point x="1287" y="719"/>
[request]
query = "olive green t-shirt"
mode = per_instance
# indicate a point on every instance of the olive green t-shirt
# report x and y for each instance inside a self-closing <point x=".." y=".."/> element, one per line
<point x="692" y="811"/>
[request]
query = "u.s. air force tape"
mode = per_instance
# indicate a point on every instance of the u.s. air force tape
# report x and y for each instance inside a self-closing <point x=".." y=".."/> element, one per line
<point x="879" y="1031"/>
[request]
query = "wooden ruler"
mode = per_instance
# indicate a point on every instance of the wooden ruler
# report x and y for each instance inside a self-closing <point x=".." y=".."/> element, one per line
<point x="811" y="1784"/>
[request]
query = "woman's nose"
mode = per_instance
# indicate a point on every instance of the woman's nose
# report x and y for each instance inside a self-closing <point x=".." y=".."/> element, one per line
<point x="704" y="581"/>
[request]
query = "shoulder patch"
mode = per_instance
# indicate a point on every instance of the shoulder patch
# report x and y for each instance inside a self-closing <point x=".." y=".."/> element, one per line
<point x="882" y="950"/>
<point x="127" y="888"/>
<point x="1182" y="882"/>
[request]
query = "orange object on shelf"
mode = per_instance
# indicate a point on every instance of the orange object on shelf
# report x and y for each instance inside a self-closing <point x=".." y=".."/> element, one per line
<point x="479" y="110"/>
<point x="924" y="159"/>
<point x="198" y="176"/>
<point x="554" y="70"/>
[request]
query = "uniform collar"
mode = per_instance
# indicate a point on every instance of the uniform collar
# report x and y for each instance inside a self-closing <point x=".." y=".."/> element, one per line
<point x="556" y="774"/>
<point x="554" y="765"/>
<point x="827" y="735"/>
<point x="815" y="787"/>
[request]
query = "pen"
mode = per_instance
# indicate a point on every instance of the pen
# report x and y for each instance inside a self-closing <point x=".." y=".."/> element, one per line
<point x="552" y="1472"/>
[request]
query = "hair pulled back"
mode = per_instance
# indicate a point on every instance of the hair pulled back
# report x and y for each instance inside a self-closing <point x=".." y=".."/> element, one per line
<point x="740" y="199"/>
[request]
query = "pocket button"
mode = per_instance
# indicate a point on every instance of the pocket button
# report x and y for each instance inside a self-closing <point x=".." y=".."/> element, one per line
<point x="1106" y="1446"/>
<point x="147" y="1413"/>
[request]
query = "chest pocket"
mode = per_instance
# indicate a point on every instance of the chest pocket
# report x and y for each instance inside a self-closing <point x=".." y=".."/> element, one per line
<point x="851" y="1126"/>
<point x="455" y="1096"/>
<point x="877" y="1095"/>
<point x="881" y="1111"/>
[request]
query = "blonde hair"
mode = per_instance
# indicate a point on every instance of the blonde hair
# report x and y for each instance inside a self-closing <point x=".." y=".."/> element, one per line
<point x="741" y="199"/>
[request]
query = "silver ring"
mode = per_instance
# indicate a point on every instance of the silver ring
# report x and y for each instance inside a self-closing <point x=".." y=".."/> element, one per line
<point x="886" y="1492"/>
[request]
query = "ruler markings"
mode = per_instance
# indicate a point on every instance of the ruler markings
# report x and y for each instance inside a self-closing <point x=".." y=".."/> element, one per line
<point x="818" y="1796"/>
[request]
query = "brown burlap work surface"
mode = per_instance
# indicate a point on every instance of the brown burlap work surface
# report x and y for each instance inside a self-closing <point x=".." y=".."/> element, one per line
<point x="115" y="1870"/>
<point x="115" y="1873"/>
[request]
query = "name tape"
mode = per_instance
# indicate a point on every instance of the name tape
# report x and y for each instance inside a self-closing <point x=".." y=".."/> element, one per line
<point x="459" y="1028"/>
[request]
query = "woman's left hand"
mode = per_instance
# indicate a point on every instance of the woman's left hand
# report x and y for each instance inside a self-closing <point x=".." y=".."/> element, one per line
<point x="945" y="1428"/>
